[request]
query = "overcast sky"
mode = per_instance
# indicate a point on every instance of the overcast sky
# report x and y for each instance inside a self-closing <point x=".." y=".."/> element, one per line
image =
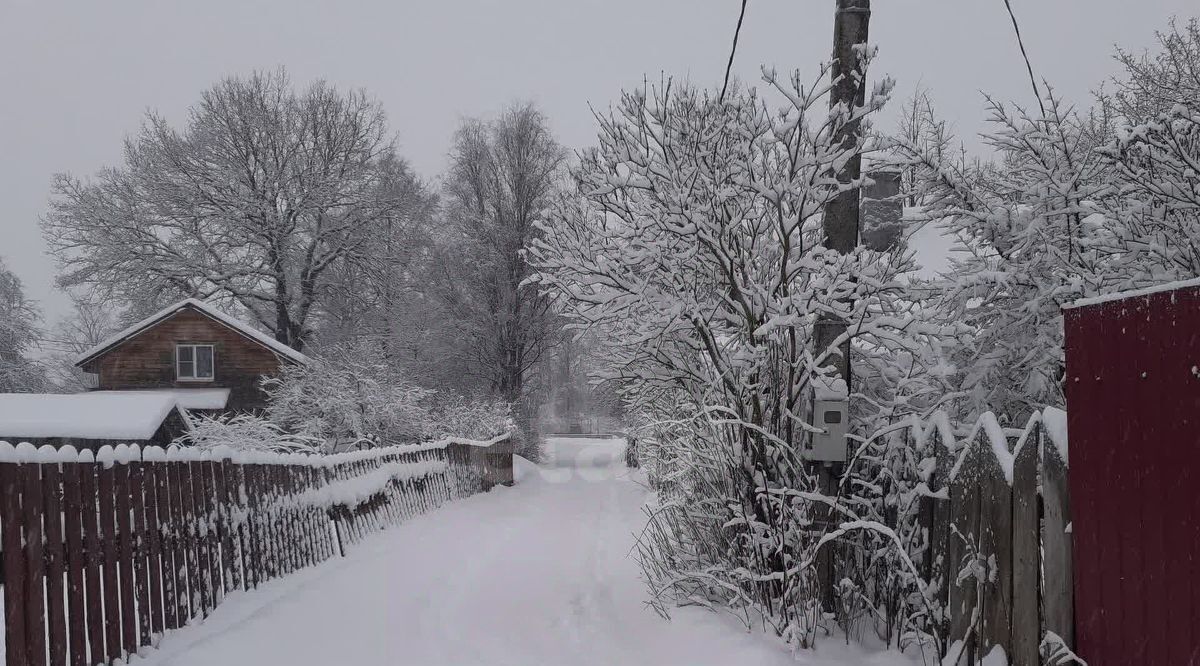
<point x="77" y="77"/>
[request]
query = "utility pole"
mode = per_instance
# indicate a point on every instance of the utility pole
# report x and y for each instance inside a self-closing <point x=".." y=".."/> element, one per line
<point x="840" y="223"/>
<point x="841" y="228"/>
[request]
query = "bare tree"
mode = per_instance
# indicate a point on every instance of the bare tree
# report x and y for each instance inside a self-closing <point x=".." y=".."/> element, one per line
<point x="502" y="178"/>
<point x="19" y="319"/>
<point x="92" y="322"/>
<point x="255" y="201"/>
<point x="1155" y="82"/>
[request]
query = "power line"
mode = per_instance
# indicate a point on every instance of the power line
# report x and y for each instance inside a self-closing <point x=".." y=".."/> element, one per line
<point x="1029" y="67"/>
<point x="729" y="66"/>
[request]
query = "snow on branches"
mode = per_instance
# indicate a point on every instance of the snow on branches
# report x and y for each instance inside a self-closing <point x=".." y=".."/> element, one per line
<point x="693" y="244"/>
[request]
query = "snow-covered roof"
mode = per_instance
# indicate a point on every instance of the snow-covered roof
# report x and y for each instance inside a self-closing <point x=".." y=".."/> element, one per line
<point x="204" y="308"/>
<point x="1133" y="293"/>
<point x="189" y="398"/>
<point x="93" y="415"/>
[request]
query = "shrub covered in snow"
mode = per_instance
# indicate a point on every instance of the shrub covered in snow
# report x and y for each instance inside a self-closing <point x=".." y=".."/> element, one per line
<point x="348" y="392"/>
<point x="245" y="432"/>
<point x="695" y="246"/>
<point x="454" y="415"/>
<point x="351" y="393"/>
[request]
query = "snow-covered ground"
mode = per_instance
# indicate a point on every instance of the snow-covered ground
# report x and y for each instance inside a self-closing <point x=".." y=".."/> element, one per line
<point x="541" y="573"/>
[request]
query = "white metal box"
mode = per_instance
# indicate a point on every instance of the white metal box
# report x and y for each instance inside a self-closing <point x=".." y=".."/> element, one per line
<point x="831" y="415"/>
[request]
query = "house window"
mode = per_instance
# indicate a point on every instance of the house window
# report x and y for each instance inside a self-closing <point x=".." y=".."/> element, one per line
<point x="194" y="363"/>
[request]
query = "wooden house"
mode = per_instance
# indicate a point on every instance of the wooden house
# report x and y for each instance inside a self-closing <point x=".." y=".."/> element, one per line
<point x="204" y="357"/>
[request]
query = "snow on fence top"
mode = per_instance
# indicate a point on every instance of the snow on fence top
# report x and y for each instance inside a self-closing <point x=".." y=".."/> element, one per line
<point x="1133" y="293"/>
<point x="989" y="433"/>
<point x="204" y="308"/>
<point x="93" y="415"/>
<point x="24" y="452"/>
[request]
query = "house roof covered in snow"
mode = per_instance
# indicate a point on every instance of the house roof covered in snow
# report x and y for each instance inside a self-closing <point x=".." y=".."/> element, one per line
<point x="188" y="398"/>
<point x="131" y="415"/>
<point x="205" y="309"/>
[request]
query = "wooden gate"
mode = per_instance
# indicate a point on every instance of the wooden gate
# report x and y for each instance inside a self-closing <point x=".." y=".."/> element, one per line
<point x="1133" y="396"/>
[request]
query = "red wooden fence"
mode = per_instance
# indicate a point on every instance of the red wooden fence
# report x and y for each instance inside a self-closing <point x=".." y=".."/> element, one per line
<point x="102" y="554"/>
<point x="1133" y="389"/>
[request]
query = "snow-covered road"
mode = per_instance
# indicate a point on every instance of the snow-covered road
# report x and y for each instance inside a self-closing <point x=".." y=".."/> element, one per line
<point x="541" y="573"/>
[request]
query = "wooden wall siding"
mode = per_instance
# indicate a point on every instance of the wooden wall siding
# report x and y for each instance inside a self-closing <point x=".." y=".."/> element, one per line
<point x="146" y="541"/>
<point x="148" y="359"/>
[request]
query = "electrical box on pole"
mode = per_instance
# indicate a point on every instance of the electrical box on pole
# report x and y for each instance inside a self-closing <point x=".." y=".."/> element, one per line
<point x="831" y="406"/>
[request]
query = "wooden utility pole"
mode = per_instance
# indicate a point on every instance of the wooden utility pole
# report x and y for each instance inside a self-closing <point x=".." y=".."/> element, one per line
<point x="841" y="227"/>
<point x="840" y="223"/>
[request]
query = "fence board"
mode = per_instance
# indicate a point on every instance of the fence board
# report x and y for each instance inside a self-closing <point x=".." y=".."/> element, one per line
<point x="210" y="529"/>
<point x="141" y="552"/>
<point x="194" y="547"/>
<point x="221" y="518"/>
<point x="1058" y="582"/>
<point x="94" y="560"/>
<point x="35" y="564"/>
<point x="124" y="508"/>
<point x="181" y="544"/>
<point x="11" y="521"/>
<point x="167" y="544"/>
<point x="56" y="609"/>
<point x="1026" y="544"/>
<point x="75" y="563"/>
<point x="154" y="550"/>
<point x="964" y="543"/>
<point x="235" y="574"/>
<point x="252" y="554"/>
<point x="105" y="478"/>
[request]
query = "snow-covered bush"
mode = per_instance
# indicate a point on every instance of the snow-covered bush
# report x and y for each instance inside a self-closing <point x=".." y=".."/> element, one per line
<point x="453" y="415"/>
<point x="351" y="393"/>
<point x="693" y="245"/>
<point x="245" y="432"/>
<point x="348" y="393"/>
<point x="1074" y="204"/>
<point x="1033" y="238"/>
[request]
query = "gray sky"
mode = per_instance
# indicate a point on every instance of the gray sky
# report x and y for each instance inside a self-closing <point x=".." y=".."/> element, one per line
<point x="76" y="77"/>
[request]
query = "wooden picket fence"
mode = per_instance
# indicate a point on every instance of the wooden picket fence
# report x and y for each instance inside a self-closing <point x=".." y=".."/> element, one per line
<point x="997" y="516"/>
<point x="103" y="554"/>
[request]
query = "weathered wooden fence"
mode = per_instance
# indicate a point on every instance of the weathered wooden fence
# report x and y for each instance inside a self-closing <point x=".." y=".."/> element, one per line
<point x="104" y="553"/>
<point x="996" y="512"/>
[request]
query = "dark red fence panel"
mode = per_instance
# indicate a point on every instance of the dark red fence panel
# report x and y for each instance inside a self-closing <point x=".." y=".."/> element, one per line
<point x="1133" y="392"/>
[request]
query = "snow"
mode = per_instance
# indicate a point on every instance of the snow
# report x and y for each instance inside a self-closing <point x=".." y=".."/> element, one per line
<point x="192" y="398"/>
<point x="1055" y="421"/>
<point x="537" y="574"/>
<point x="93" y="415"/>
<point x="996" y="442"/>
<point x="1133" y="293"/>
<point x="206" y="309"/>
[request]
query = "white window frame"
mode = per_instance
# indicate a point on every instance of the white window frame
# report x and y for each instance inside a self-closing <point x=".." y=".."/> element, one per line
<point x="193" y="378"/>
